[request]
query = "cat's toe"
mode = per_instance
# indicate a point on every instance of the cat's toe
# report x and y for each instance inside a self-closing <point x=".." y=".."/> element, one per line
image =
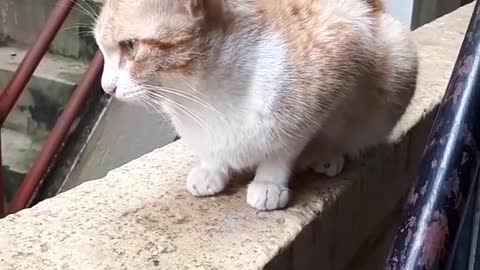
<point x="203" y="182"/>
<point x="267" y="196"/>
<point x="331" y="167"/>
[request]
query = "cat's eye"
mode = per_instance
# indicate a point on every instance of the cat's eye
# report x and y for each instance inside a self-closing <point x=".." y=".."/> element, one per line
<point x="129" y="47"/>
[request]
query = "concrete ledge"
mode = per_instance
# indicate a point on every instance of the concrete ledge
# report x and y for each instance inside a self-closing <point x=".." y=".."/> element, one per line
<point x="141" y="217"/>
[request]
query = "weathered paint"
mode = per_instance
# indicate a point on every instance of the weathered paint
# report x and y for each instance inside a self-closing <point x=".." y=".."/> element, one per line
<point x="436" y="203"/>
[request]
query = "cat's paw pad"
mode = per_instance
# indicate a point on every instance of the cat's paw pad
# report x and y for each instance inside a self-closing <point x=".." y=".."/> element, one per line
<point x="331" y="167"/>
<point x="267" y="196"/>
<point x="203" y="182"/>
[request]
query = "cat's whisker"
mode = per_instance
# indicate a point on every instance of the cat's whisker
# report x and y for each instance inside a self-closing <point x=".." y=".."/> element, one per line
<point x="208" y="106"/>
<point x="164" y="110"/>
<point x="154" y="100"/>
<point x="90" y="12"/>
<point x="182" y="94"/>
<point x="195" y="90"/>
<point x="179" y="77"/>
<point x="155" y="105"/>
<point x="191" y="96"/>
<point x="78" y="7"/>
<point x="86" y="33"/>
<point x="79" y="25"/>
<point x="153" y="87"/>
<point x="193" y="116"/>
<point x="87" y="29"/>
<point x="185" y="110"/>
<point x="189" y="85"/>
<point x="144" y="104"/>
<point x="181" y="107"/>
<point x="147" y="104"/>
<point x="188" y="111"/>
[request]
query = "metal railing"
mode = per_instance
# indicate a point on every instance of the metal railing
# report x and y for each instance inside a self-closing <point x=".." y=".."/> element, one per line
<point x="60" y="131"/>
<point x="428" y="232"/>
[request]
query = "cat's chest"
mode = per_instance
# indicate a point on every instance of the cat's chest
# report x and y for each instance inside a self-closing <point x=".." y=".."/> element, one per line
<point x="229" y="128"/>
<point x="210" y="122"/>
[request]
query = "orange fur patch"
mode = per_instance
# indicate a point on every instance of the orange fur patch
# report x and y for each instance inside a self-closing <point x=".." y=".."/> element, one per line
<point x="377" y="6"/>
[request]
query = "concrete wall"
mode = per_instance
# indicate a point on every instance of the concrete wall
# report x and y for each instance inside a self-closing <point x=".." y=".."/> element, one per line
<point x="124" y="133"/>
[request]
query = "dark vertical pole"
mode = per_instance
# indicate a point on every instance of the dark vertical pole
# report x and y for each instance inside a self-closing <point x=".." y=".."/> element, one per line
<point x="445" y="179"/>
<point x="473" y="230"/>
<point x="465" y="244"/>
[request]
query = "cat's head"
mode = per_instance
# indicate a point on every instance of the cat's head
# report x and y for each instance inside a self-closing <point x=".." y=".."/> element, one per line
<point x="146" y="41"/>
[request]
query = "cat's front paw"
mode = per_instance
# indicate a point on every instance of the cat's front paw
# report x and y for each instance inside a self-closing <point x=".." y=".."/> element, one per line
<point x="267" y="196"/>
<point x="203" y="182"/>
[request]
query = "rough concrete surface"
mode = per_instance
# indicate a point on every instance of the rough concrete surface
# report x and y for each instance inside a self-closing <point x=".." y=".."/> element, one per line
<point x="141" y="217"/>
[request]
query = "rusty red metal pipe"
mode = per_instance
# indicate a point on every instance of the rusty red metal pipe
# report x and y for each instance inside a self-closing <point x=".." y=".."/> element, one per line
<point x="27" y="67"/>
<point x="58" y="135"/>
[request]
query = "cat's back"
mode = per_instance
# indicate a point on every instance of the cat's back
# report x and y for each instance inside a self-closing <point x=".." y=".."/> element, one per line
<point x="313" y="29"/>
<point x="311" y="15"/>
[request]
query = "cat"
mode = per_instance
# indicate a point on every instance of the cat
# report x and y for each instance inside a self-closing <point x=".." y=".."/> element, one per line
<point x="269" y="85"/>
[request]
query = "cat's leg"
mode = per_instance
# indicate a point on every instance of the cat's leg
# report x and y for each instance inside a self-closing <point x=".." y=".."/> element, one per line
<point x="208" y="179"/>
<point x="269" y="189"/>
<point x="329" y="165"/>
<point x="321" y="156"/>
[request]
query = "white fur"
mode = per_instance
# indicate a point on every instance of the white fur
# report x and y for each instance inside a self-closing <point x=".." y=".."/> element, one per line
<point x="110" y="70"/>
<point x="238" y="136"/>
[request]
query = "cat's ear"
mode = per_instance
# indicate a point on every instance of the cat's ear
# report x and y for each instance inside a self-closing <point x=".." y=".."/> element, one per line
<point x="205" y="9"/>
<point x="210" y="9"/>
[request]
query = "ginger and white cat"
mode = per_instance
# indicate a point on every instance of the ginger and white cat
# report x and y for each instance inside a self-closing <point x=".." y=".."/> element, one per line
<point x="267" y="85"/>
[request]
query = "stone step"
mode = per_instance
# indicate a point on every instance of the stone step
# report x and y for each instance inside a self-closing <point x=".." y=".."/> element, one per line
<point x="19" y="151"/>
<point x="42" y="101"/>
<point x="37" y="110"/>
<point x="44" y="97"/>
<point x="23" y="19"/>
